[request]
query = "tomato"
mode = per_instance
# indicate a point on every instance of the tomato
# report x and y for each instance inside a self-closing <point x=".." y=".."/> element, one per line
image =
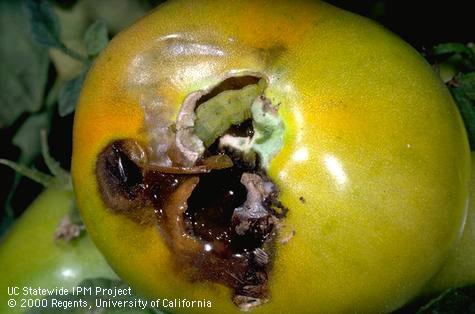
<point x="31" y="257"/>
<point x="459" y="268"/>
<point x="370" y="155"/>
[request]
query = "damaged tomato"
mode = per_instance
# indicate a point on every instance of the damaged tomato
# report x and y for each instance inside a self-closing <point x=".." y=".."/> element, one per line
<point x="269" y="157"/>
<point x="215" y="206"/>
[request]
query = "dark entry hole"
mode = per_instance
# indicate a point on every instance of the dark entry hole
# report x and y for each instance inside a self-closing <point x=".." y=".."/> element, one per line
<point x="231" y="83"/>
<point x="212" y="203"/>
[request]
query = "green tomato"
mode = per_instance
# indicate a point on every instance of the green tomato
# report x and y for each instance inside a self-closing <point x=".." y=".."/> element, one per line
<point x="459" y="270"/>
<point x="31" y="257"/>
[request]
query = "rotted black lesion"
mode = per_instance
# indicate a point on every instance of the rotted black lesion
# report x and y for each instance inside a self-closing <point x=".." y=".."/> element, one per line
<point x="159" y="187"/>
<point x="235" y="210"/>
<point x="121" y="181"/>
<point x="231" y="216"/>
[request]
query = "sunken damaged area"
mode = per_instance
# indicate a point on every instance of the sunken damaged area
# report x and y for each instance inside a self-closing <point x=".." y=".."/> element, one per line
<point x="212" y="200"/>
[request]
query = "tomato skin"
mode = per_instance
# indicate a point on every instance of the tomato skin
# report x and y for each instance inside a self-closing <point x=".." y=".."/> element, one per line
<point x="31" y="257"/>
<point x="373" y="143"/>
<point x="459" y="268"/>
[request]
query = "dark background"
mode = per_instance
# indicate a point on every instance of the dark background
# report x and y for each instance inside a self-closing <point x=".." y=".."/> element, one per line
<point x="421" y="23"/>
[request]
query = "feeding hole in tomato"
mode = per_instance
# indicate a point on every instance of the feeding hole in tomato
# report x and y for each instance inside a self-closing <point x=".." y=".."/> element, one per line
<point x="214" y="204"/>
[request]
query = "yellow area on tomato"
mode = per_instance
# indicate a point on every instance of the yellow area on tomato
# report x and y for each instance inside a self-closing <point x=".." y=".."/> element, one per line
<point x="373" y="142"/>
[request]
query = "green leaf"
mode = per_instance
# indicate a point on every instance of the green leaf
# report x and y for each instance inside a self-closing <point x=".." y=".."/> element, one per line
<point x="467" y="83"/>
<point x="53" y="165"/>
<point x="69" y="94"/>
<point x="45" y="28"/>
<point x="452" y="48"/>
<point x="62" y="177"/>
<point x="9" y="211"/>
<point x="467" y="110"/>
<point x="24" y="65"/>
<point x="35" y="175"/>
<point x="96" y="38"/>
<point x="91" y="298"/>
<point x="44" y="23"/>
<point x="27" y="138"/>
<point x="455" y="300"/>
<point x="457" y="55"/>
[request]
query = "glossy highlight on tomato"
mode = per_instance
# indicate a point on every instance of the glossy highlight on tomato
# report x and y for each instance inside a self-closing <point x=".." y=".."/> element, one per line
<point x="373" y="163"/>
